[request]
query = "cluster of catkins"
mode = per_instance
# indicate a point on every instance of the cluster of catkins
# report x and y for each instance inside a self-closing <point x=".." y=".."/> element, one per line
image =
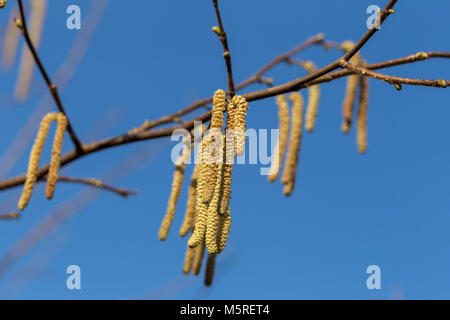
<point x="290" y="127"/>
<point x="35" y="156"/>
<point x="207" y="215"/>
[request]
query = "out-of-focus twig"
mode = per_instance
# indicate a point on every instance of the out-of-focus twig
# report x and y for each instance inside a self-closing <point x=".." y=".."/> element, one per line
<point x="52" y="87"/>
<point x="98" y="184"/>
<point x="10" y="216"/>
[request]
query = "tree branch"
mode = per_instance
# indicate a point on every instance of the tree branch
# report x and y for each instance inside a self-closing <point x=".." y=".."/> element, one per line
<point x="392" y="79"/>
<point x="97" y="184"/>
<point x="226" y="50"/>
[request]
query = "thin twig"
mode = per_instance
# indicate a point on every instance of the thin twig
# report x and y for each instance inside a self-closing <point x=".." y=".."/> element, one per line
<point x="98" y="184"/>
<point x="52" y="87"/>
<point x="392" y="79"/>
<point x="226" y="50"/>
<point x="10" y="216"/>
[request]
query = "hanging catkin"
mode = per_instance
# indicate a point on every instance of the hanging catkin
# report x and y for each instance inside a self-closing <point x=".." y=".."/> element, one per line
<point x="11" y="42"/>
<point x="228" y="160"/>
<point x="188" y="260"/>
<point x="350" y="92"/>
<point x="239" y="123"/>
<point x="177" y="182"/>
<point x="210" y="266"/>
<point x="313" y="100"/>
<point x="188" y="220"/>
<point x="212" y="222"/>
<point x="198" y="257"/>
<point x="201" y="205"/>
<point x="362" y="115"/>
<point x="52" y="177"/>
<point x="190" y="207"/>
<point x="283" y="118"/>
<point x="36" y="152"/>
<point x="38" y="8"/>
<point x="292" y="157"/>
<point x="223" y="230"/>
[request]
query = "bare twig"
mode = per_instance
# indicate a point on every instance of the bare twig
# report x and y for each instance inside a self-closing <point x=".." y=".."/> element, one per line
<point x="226" y="50"/>
<point x="10" y="216"/>
<point x="52" y="87"/>
<point x="392" y="79"/>
<point x="98" y="184"/>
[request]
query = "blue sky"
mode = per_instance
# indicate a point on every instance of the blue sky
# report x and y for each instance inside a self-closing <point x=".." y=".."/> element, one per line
<point x="389" y="207"/>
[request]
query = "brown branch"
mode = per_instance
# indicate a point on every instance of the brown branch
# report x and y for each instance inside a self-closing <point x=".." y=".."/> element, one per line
<point x="51" y="86"/>
<point x="10" y="216"/>
<point x="226" y="50"/>
<point x="392" y="79"/>
<point x="98" y="184"/>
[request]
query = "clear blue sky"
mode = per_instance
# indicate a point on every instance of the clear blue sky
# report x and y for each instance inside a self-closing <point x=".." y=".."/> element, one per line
<point x="147" y="59"/>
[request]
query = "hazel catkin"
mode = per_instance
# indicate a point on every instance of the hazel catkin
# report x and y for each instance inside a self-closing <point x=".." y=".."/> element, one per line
<point x="228" y="160"/>
<point x="36" y="152"/>
<point x="177" y="182"/>
<point x="312" y="108"/>
<point x="362" y="116"/>
<point x="52" y="177"/>
<point x="240" y="123"/>
<point x="210" y="266"/>
<point x="353" y="81"/>
<point x="198" y="257"/>
<point x="280" y="149"/>
<point x="188" y="260"/>
<point x="292" y="158"/>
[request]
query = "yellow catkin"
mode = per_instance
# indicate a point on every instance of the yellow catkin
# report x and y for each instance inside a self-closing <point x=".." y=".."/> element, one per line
<point x="313" y="100"/>
<point x="201" y="203"/>
<point x="188" y="221"/>
<point x="362" y="116"/>
<point x="52" y="177"/>
<point x="239" y="123"/>
<point x="2" y="4"/>
<point x="224" y="230"/>
<point x="198" y="257"/>
<point x="190" y="207"/>
<point x="35" y="157"/>
<point x="212" y="222"/>
<point x="350" y="92"/>
<point x="188" y="260"/>
<point x="177" y="183"/>
<point x="38" y="8"/>
<point x="292" y="157"/>
<point x="210" y="266"/>
<point x="228" y="160"/>
<point x="219" y="105"/>
<point x="11" y="42"/>
<point x="283" y="118"/>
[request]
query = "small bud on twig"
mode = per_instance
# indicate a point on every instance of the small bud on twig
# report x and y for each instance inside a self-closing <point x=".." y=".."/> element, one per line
<point x="442" y="83"/>
<point x="18" y="23"/>
<point x="398" y="86"/>
<point x="216" y="30"/>
<point x="421" y="56"/>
